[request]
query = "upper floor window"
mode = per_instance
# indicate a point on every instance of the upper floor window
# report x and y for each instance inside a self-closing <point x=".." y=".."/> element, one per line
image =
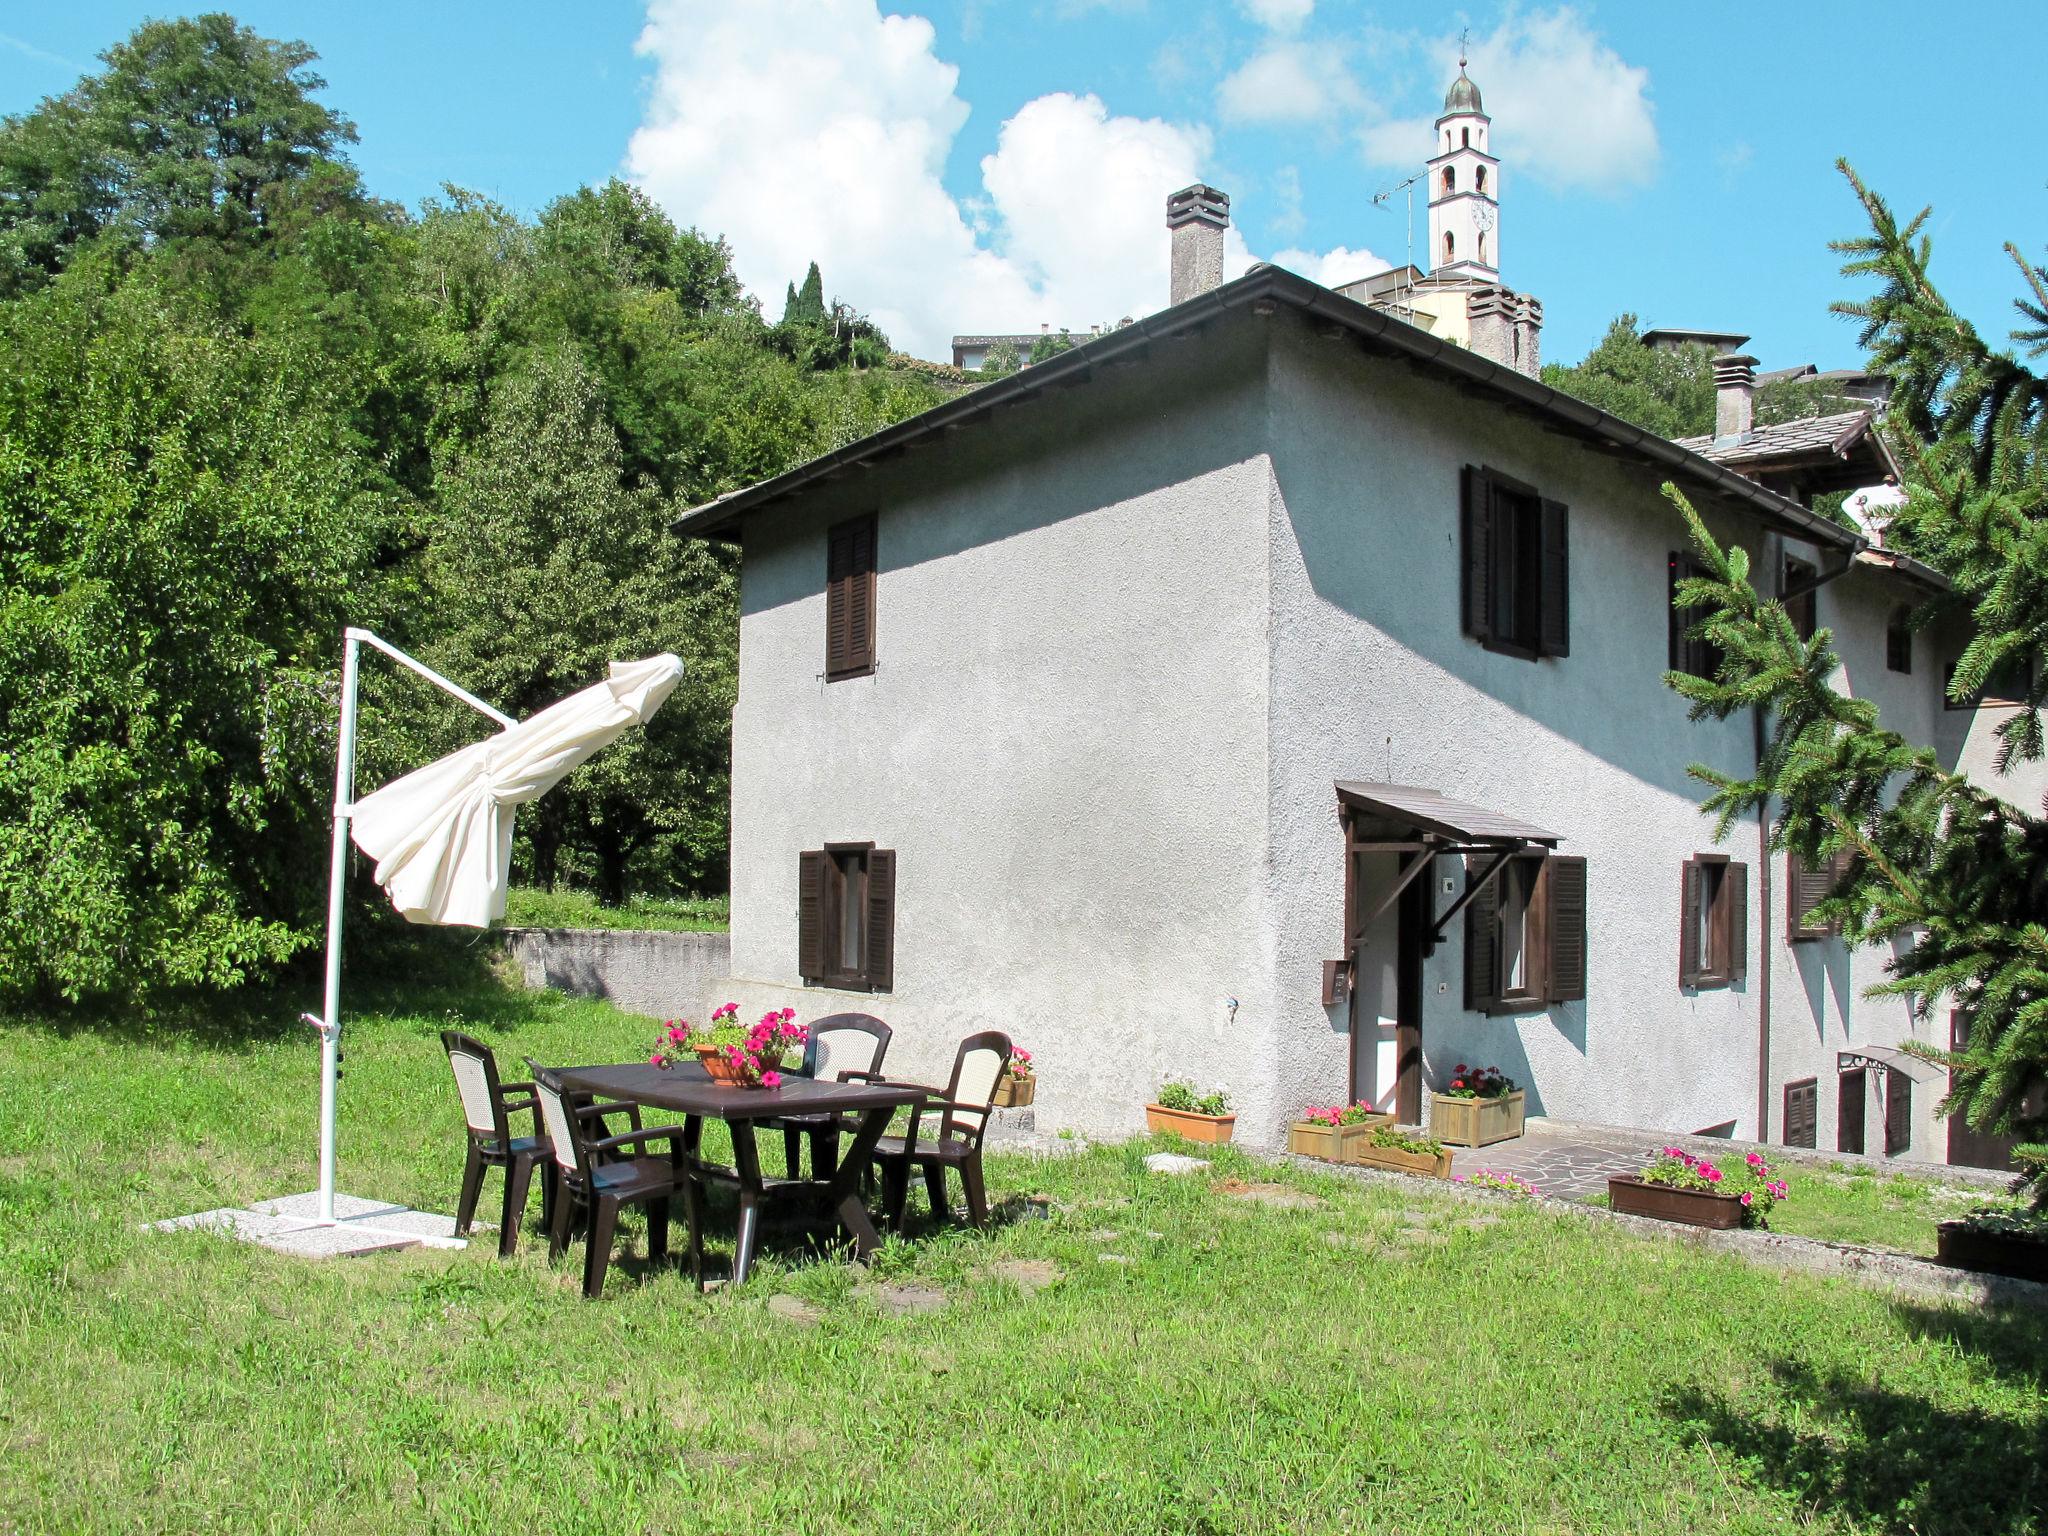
<point x="850" y="599"/>
<point x="1801" y="595"/>
<point x="2008" y="685"/>
<point x="1517" y="567"/>
<point x="1898" y="640"/>
<point x="1713" y="933"/>
<point x="1687" y="652"/>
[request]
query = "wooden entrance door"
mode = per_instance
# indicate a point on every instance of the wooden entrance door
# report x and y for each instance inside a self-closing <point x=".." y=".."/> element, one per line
<point x="1852" y="1099"/>
<point x="1386" y="981"/>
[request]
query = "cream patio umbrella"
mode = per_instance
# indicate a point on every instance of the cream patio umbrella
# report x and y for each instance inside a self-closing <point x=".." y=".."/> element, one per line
<point x="442" y="834"/>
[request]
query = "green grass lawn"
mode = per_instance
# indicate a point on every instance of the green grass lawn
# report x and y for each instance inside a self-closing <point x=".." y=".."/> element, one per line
<point x="1861" y="1205"/>
<point x="1377" y="1362"/>
<point x="529" y="908"/>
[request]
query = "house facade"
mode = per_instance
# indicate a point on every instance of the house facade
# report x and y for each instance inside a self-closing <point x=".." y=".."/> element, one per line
<point x="1271" y="695"/>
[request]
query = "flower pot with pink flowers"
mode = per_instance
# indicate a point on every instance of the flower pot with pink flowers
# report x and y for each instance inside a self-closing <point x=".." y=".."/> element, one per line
<point x="1479" y="1106"/>
<point x="745" y="1056"/>
<point x="1335" y="1132"/>
<point x="1698" y="1192"/>
<point x="1019" y="1083"/>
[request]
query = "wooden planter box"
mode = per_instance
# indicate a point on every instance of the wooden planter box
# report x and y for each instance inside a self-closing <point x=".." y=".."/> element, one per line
<point x="1189" y="1125"/>
<point x="1016" y="1092"/>
<point x="1693" y="1207"/>
<point x="1963" y="1246"/>
<point x="1475" y="1122"/>
<point x="1394" y="1160"/>
<point x="1332" y="1143"/>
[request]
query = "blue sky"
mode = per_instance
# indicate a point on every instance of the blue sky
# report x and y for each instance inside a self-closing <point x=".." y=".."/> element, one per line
<point x="974" y="165"/>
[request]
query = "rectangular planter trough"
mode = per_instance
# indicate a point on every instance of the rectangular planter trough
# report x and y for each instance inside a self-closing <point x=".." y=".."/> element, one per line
<point x="1693" y="1207"/>
<point x="1475" y="1122"/>
<point x="1394" y="1160"/>
<point x="1333" y="1143"/>
<point x="1963" y="1246"/>
<point x="1015" y="1092"/>
<point x="1189" y="1124"/>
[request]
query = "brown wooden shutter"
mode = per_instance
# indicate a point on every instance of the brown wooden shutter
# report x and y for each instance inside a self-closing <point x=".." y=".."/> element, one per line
<point x="1852" y="1094"/>
<point x="1567" y="929"/>
<point x="1482" y="940"/>
<point x="810" y="914"/>
<point x="1674" y="617"/>
<point x="1805" y="889"/>
<point x="1554" y="606"/>
<point x="1898" y="1112"/>
<point x="850" y="598"/>
<point x="1802" y="1113"/>
<point x="1478" y="554"/>
<point x="1735" y="893"/>
<point x="879" y="939"/>
<point x="1691" y="883"/>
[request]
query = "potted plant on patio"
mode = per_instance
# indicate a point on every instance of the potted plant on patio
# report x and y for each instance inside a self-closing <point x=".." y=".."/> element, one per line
<point x="1996" y="1242"/>
<point x="1399" y="1151"/>
<point x="1334" y="1133"/>
<point x="1676" y="1186"/>
<point x="1019" y="1083"/>
<point x="1185" y="1113"/>
<point x="748" y="1057"/>
<point x="1479" y="1106"/>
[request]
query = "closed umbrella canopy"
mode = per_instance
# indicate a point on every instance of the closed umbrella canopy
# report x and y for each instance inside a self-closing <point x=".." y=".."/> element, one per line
<point x="442" y="835"/>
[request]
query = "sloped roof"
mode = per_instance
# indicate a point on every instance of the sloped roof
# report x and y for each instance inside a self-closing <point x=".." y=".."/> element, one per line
<point x="1827" y="453"/>
<point x="1261" y="290"/>
<point x="1427" y="811"/>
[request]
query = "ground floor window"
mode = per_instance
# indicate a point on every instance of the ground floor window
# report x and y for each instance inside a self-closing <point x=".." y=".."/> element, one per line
<point x="1802" y="1112"/>
<point x="1713" y="936"/>
<point x="1525" y="932"/>
<point x="846" y="917"/>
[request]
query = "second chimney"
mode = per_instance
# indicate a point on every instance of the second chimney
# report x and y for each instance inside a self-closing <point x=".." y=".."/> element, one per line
<point x="1734" y="395"/>
<point x="1197" y="216"/>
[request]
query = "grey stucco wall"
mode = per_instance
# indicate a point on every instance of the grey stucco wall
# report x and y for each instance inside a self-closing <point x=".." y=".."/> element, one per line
<point x="663" y="975"/>
<point x="1063" y="739"/>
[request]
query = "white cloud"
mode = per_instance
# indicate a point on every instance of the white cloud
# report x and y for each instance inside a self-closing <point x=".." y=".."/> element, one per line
<point x="1288" y="83"/>
<point x="809" y="130"/>
<point x="1341" y="265"/>
<point x="1570" y="110"/>
<point x="1279" y="15"/>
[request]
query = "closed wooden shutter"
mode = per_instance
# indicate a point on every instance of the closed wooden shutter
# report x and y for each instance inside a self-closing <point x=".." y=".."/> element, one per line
<point x="1567" y="886"/>
<point x="1554" y="607"/>
<point x="879" y="940"/>
<point x="1898" y="641"/>
<point x="850" y="599"/>
<point x="810" y="915"/>
<point x="1482" y="940"/>
<point x="1806" y="888"/>
<point x="1735" y="896"/>
<point x="1478" y="554"/>
<point x="1898" y="1112"/>
<point x="1691" y="885"/>
<point x="1852" y="1095"/>
<point x="1802" y="1113"/>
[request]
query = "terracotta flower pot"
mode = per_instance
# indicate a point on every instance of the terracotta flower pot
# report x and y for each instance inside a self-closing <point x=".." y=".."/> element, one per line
<point x="1190" y="1125"/>
<point x="1461" y="1122"/>
<point x="1665" y="1202"/>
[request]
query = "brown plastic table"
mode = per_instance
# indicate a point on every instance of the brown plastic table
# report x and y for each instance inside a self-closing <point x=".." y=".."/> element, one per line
<point x="687" y="1090"/>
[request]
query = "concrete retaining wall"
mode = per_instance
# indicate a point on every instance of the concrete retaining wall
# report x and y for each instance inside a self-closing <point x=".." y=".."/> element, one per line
<point x="663" y="975"/>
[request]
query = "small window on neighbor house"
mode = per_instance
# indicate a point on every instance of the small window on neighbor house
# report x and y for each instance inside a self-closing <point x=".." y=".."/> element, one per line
<point x="1517" y="578"/>
<point x="846" y="917"/>
<point x="1525" y="933"/>
<point x="1713" y="934"/>
<point x="1687" y="652"/>
<point x="1898" y="640"/>
<point x="850" y="599"/>
<point x="1803" y="609"/>
<point x="1801" y="1125"/>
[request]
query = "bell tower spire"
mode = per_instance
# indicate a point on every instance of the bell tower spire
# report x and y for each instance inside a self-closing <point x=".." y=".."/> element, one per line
<point x="1464" y="187"/>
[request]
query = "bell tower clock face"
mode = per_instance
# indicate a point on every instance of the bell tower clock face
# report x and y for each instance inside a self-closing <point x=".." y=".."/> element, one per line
<point x="1483" y="215"/>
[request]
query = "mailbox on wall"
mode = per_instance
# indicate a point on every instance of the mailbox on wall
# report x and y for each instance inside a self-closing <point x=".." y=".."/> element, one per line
<point x="1336" y="982"/>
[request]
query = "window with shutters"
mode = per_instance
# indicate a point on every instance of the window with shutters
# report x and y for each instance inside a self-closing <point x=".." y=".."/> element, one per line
<point x="846" y="917"/>
<point x="1688" y="652"/>
<point x="1802" y="607"/>
<point x="1898" y="640"/>
<point x="1713" y="937"/>
<point x="1806" y="887"/>
<point x="1802" y="1113"/>
<point x="2007" y="684"/>
<point x="1898" y="1113"/>
<point x="1525" y="933"/>
<point x="1517" y="567"/>
<point x="850" y="599"/>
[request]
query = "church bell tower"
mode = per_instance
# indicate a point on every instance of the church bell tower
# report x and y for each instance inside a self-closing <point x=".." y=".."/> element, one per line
<point x="1464" y="189"/>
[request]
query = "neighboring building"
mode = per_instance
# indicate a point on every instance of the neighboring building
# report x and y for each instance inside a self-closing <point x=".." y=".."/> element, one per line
<point x="970" y="352"/>
<point x="1805" y="458"/>
<point x="1462" y="298"/>
<point x="1271" y="695"/>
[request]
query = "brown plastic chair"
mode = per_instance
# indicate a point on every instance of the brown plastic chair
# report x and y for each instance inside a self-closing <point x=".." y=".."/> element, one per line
<point x="820" y="1055"/>
<point x="487" y="1108"/>
<point x="965" y="1104"/>
<point x="593" y="1175"/>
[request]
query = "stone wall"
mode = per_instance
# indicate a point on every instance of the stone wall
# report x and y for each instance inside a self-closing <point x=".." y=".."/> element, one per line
<point x="663" y="975"/>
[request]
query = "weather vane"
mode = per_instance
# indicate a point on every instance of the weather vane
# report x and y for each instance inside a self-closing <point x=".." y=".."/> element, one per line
<point x="1463" y="38"/>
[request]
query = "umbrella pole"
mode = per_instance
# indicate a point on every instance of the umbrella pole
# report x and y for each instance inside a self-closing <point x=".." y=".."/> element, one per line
<point x="337" y="876"/>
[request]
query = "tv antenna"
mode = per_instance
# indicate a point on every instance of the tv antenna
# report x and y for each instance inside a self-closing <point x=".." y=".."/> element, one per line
<point x="1381" y="198"/>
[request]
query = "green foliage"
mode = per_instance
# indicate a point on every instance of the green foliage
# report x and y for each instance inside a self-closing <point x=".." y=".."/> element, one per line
<point x="1000" y="361"/>
<point x="1406" y="1141"/>
<point x="1669" y="392"/>
<point x="1182" y="1096"/>
<point x="1050" y="346"/>
<point x="531" y="907"/>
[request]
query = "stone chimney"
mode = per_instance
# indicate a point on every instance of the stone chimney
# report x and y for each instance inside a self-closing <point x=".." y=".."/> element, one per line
<point x="1734" y="395"/>
<point x="1197" y="216"/>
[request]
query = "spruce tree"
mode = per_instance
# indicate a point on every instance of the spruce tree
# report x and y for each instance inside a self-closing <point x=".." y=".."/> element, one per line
<point x="1929" y="854"/>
